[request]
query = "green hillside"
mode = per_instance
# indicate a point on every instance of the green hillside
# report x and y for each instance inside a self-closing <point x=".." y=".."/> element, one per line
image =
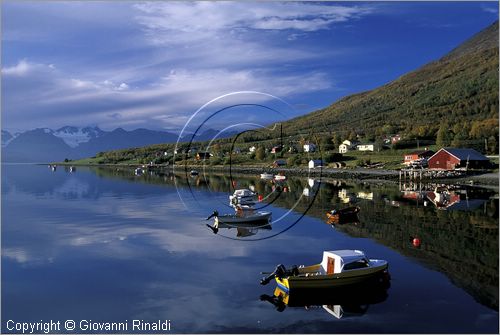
<point x="449" y="102"/>
<point x="458" y="92"/>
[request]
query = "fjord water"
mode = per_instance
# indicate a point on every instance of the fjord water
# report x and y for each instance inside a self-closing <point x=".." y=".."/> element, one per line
<point x="107" y="246"/>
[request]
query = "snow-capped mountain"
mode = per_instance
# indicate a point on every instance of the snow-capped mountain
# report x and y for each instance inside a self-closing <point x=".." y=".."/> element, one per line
<point x="48" y="145"/>
<point x="74" y="136"/>
<point x="6" y="137"/>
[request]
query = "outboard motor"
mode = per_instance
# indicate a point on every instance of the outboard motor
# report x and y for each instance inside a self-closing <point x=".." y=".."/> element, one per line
<point x="214" y="214"/>
<point x="280" y="272"/>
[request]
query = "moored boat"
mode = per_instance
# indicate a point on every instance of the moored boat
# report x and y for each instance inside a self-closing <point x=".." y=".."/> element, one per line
<point x="279" y="177"/>
<point x="266" y="176"/>
<point x="349" y="214"/>
<point x="337" y="268"/>
<point x="194" y="173"/>
<point x="244" y="217"/>
<point x="242" y="197"/>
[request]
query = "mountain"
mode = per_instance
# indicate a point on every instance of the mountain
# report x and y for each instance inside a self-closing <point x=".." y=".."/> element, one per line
<point x="38" y="145"/>
<point x="47" y="145"/>
<point x="121" y="139"/>
<point x="73" y="136"/>
<point x="6" y="137"/>
<point x="458" y="92"/>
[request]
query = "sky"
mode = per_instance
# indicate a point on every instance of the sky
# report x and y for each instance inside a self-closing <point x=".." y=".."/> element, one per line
<point x="154" y="64"/>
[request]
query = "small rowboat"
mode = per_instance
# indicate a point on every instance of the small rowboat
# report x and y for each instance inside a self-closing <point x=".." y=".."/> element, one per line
<point x="266" y="176"/>
<point x="349" y="214"/>
<point x="241" y="220"/>
<point x="256" y="217"/>
<point x="338" y="268"/>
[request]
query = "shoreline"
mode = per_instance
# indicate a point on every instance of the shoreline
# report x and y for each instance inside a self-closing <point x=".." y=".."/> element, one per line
<point x="487" y="179"/>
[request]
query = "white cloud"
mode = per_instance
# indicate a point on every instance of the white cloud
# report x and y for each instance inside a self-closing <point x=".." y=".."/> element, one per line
<point x="23" y="68"/>
<point x="189" y="53"/>
<point x="180" y="22"/>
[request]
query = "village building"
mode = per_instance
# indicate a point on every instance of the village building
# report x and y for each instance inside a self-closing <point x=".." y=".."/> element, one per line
<point x="309" y="147"/>
<point x="366" y="147"/>
<point x="395" y="139"/>
<point x="314" y="163"/>
<point x="279" y="162"/>
<point x="347" y="145"/>
<point x="203" y="155"/>
<point x="458" y="158"/>
<point x="276" y="149"/>
<point x="417" y="156"/>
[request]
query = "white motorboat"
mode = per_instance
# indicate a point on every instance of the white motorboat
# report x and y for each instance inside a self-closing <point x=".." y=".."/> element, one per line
<point x="279" y="177"/>
<point x="242" y="197"/>
<point x="338" y="268"/>
<point x="266" y="176"/>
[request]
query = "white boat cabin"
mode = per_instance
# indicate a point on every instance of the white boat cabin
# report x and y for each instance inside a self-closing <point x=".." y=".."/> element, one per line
<point x="340" y="260"/>
<point x="243" y="193"/>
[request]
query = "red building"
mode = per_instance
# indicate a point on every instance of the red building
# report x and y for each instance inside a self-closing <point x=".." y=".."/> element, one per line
<point x="453" y="158"/>
<point x="417" y="156"/>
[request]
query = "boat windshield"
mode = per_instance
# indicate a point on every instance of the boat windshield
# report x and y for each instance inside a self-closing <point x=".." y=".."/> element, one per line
<point x="362" y="263"/>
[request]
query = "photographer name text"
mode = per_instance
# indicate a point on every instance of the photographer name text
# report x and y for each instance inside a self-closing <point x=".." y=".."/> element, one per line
<point x="51" y="326"/>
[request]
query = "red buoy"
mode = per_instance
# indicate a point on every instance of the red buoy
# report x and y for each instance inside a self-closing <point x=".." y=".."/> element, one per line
<point x="416" y="242"/>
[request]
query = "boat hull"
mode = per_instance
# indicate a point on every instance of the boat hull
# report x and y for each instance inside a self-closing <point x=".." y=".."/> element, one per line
<point x="253" y="218"/>
<point x="331" y="280"/>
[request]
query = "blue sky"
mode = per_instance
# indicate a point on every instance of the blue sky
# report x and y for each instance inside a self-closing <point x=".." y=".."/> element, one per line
<point x="152" y="65"/>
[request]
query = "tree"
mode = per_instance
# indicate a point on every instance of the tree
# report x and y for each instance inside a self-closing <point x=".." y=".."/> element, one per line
<point x="443" y="137"/>
<point x="336" y="140"/>
<point x="260" y="153"/>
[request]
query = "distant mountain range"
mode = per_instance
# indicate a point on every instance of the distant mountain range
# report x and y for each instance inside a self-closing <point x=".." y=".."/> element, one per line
<point x="47" y="145"/>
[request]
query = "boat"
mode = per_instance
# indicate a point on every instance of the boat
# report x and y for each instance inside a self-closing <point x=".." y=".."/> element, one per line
<point x="345" y="215"/>
<point x="337" y="301"/>
<point x="337" y="268"/>
<point x="138" y="172"/>
<point x="72" y="169"/>
<point x="279" y="177"/>
<point x="242" y="229"/>
<point x="266" y="176"/>
<point x="193" y="173"/>
<point x="242" y="217"/>
<point x="242" y="197"/>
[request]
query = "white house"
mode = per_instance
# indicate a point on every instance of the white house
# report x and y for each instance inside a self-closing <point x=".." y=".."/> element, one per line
<point x="252" y="149"/>
<point x="314" y="163"/>
<point x="346" y="146"/>
<point x="366" y="147"/>
<point x="309" y="147"/>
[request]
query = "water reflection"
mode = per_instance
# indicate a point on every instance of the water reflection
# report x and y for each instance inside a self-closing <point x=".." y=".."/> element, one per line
<point x="339" y="302"/>
<point x="106" y="244"/>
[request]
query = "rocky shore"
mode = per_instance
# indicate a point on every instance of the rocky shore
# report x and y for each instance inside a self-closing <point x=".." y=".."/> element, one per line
<point x="490" y="180"/>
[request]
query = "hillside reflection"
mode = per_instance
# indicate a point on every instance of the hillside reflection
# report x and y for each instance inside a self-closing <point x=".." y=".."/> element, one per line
<point x="458" y="236"/>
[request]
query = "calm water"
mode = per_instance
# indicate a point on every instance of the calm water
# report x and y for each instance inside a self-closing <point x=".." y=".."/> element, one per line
<point x="108" y="246"/>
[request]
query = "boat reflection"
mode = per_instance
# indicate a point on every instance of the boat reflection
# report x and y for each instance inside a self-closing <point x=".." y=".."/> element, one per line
<point x="242" y="229"/>
<point x="342" y="302"/>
